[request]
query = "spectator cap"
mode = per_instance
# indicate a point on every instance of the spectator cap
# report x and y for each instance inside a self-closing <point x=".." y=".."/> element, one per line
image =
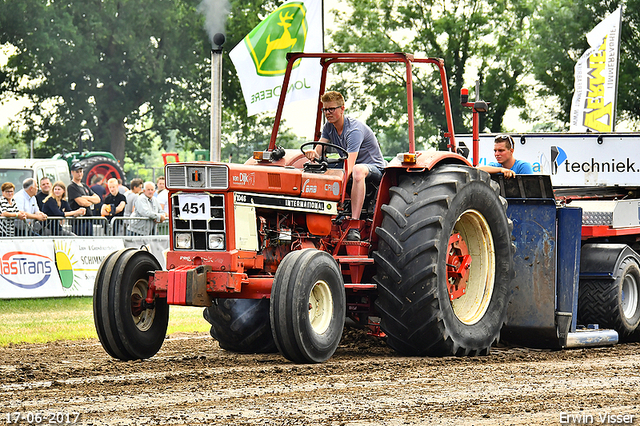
<point x="76" y="166"/>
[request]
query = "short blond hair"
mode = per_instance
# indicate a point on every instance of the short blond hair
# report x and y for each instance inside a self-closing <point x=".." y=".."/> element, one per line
<point x="332" y="97"/>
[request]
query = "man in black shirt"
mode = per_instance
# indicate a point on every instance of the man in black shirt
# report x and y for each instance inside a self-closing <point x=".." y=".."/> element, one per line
<point x="113" y="206"/>
<point x="45" y="188"/>
<point x="80" y="195"/>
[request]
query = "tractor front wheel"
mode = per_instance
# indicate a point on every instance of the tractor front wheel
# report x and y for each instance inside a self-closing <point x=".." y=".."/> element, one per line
<point x="308" y="306"/>
<point x="127" y="326"/>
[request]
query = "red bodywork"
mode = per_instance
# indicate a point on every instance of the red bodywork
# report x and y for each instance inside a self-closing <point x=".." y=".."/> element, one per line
<point x="195" y="277"/>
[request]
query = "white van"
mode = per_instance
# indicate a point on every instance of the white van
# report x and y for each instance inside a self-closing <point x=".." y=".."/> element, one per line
<point x="17" y="170"/>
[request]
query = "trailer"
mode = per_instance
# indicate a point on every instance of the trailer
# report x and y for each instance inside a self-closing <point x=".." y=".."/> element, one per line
<point x="451" y="260"/>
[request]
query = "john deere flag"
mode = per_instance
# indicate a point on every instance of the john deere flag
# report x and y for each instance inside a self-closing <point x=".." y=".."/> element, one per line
<point x="260" y="58"/>
<point x="596" y="79"/>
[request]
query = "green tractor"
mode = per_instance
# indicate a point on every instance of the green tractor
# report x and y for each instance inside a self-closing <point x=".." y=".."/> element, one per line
<point x="93" y="162"/>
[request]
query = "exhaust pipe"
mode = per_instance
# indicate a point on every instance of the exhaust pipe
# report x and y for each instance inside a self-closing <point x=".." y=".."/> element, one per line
<point x="216" y="98"/>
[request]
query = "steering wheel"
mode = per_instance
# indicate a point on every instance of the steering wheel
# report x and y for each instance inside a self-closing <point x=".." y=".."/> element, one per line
<point x="323" y="162"/>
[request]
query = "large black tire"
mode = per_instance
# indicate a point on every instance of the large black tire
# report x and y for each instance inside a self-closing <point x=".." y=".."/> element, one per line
<point x="613" y="303"/>
<point x="414" y="301"/>
<point x="241" y="325"/>
<point x="101" y="165"/>
<point x="308" y="306"/>
<point x="127" y="330"/>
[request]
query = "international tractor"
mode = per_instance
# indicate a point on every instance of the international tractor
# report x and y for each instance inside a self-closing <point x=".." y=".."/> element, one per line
<point x="442" y="268"/>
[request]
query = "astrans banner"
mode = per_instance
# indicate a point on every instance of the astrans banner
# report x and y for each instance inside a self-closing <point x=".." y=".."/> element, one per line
<point x="260" y="58"/>
<point x="593" y="107"/>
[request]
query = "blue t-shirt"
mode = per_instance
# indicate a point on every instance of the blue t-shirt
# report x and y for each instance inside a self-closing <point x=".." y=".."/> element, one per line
<point x="519" y="167"/>
<point x="356" y="137"/>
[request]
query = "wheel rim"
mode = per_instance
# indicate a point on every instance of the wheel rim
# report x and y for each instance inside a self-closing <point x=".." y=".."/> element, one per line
<point x="142" y="318"/>
<point x="629" y="296"/>
<point x="320" y="307"/>
<point x="475" y="240"/>
<point x="106" y="170"/>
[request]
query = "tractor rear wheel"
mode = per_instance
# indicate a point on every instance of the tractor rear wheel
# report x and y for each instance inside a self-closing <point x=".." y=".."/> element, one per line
<point x="613" y="303"/>
<point x="127" y="327"/>
<point x="308" y="306"/>
<point x="100" y="165"/>
<point x="241" y="325"/>
<point x="445" y="263"/>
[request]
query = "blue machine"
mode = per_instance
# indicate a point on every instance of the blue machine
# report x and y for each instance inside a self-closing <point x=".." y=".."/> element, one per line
<point x="544" y="304"/>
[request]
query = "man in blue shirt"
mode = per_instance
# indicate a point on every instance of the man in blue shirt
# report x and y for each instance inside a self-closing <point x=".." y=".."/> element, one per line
<point x="506" y="162"/>
<point x="365" y="161"/>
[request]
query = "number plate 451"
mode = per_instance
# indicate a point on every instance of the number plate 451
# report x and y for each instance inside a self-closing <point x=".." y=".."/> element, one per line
<point x="194" y="206"/>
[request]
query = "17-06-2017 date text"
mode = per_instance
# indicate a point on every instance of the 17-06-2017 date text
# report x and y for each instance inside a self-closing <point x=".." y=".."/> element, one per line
<point x="44" y="418"/>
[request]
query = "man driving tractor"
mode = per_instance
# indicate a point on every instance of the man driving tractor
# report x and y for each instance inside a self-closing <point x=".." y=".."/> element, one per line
<point x="365" y="161"/>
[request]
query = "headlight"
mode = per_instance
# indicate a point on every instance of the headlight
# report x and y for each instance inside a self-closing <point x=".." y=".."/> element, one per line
<point x="216" y="242"/>
<point x="183" y="241"/>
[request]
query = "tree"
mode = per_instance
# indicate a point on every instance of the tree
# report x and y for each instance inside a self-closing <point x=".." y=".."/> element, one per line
<point x="560" y="30"/>
<point x="8" y="145"/>
<point x="109" y="66"/>
<point x="460" y="32"/>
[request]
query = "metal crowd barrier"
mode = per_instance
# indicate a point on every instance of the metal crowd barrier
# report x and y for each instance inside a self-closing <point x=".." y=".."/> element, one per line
<point x="75" y="226"/>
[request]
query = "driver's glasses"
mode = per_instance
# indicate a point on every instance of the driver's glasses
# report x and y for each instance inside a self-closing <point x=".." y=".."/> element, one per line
<point x="330" y="110"/>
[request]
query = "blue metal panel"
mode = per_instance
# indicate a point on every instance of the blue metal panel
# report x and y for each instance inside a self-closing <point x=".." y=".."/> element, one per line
<point x="568" y="265"/>
<point x="531" y="314"/>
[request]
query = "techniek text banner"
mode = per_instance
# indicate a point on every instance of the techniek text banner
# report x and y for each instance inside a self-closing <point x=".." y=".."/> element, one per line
<point x="260" y="58"/>
<point x="596" y="79"/>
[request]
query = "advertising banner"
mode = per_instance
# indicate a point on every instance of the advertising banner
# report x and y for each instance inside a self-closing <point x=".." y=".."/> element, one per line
<point x="574" y="159"/>
<point x="593" y="106"/>
<point x="35" y="268"/>
<point x="28" y="268"/>
<point x="260" y="58"/>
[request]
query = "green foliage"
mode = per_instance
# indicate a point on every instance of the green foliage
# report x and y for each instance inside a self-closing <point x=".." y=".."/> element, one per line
<point x="8" y="142"/>
<point x="460" y="32"/>
<point x="560" y="30"/>
<point x="108" y="66"/>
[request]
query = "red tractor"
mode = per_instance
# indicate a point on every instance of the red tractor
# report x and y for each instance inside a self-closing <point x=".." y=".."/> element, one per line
<point x="262" y="247"/>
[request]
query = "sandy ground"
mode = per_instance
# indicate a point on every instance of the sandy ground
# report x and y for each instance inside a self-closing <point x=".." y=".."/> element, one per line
<point x="192" y="381"/>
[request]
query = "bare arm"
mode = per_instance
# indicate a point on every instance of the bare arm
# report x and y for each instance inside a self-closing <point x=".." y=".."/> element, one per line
<point x="87" y="200"/>
<point x="508" y="173"/>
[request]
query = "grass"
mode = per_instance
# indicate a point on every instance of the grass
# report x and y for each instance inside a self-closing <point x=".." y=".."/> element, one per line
<point x="71" y="318"/>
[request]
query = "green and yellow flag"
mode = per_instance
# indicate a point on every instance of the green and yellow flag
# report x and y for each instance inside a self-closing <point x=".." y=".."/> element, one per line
<point x="260" y="58"/>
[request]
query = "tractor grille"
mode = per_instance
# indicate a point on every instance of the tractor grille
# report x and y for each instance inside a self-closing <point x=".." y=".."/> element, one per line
<point x="197" y="175"/>
<point x="200" y="231"/>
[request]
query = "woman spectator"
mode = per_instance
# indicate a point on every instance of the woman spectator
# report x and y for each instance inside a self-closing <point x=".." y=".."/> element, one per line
<point x="9" y="209"/>
<point x="56" y="205"/>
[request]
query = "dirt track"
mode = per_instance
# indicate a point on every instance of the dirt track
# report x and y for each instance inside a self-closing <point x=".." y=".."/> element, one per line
<point x="193" y="381"/>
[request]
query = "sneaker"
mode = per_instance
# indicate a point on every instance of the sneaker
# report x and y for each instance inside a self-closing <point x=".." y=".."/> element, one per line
<point x="353" y="235"/>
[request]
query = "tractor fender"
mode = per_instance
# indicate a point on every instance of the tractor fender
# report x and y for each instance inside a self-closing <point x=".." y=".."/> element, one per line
<point x="429" y="159"/>
<point x="600" y="260"/>
<point x="425" y="160"/>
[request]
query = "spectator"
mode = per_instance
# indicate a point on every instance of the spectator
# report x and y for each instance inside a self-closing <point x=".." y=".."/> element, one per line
<point x="147" y="207"/>
<point x="98" y="187"/>
<point x="9" y="209"/>
<point x="131" y="195"/>
<point x="162" y="194"/>
<point x="160" y="185"/>
<point x="26" y="202"/>
<point x="121" y="188"/>
<point x="114" y="205"/>
<point x="80" y="195"/>
<point x="56" y="205"/>
<point x="45" y="187"/>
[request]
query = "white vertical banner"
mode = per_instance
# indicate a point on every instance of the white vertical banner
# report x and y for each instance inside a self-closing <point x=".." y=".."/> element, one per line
<point x="596" y="78"/>
<point x="260" y="58"/>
